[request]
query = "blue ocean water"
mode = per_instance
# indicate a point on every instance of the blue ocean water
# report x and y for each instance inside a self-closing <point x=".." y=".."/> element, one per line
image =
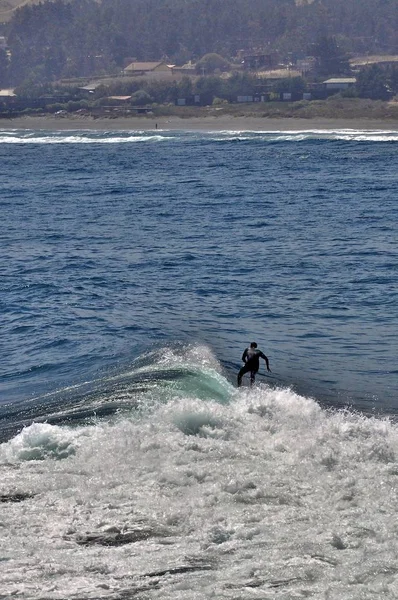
<point x="136" y="267"/>
<point x="117" y="242"/>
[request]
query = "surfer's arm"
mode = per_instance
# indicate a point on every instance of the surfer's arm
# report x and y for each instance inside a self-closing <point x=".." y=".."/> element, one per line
<point x="266" y="361"/>
<point x="244" y="355"/>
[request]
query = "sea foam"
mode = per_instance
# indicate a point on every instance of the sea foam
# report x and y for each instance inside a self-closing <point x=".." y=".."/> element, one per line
<point x="269" y="492"/>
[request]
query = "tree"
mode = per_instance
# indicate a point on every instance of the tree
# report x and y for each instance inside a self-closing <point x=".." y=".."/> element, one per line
<point x="209" y="88"/>
<point x="294" y="85"/>
<point x="29" y="88"/>
<point x="331" y="60"/>
<point x="59" y="38"/>
<point x="140" y="98"/>
<point x="185" y="87"/>
<point x="3" y="68"/>
<point x="210" y="63"/>
<point x="372" y="83"/>
<point x="241" y="84"/>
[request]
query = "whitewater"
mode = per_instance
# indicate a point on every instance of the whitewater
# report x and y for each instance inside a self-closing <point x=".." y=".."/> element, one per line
<point x="252" y="493"/>
<point x="136" y="268"/>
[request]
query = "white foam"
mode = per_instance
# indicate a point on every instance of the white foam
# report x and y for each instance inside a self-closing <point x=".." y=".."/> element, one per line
<point x="39" y="441"/>
<point x="16" y="136"/>
<point x="275" y="495"/>
<point x="78" y="137"/>
<point x="368" y="135"/>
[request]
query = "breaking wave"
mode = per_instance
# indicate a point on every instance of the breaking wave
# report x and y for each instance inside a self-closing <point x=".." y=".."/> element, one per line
<point x="17" y="136"/>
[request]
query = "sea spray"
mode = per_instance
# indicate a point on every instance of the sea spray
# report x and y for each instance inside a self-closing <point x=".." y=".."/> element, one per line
<point x="270" y="491"/>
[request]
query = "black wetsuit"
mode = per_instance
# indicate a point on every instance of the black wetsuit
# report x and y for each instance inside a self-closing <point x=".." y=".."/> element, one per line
<point x="251" y="358"/>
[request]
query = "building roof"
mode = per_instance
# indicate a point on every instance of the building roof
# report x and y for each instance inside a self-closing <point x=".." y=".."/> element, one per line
<point x="143" y="66"/>
<point x="91" y="87"/>
<point x="373" y="60"/>
<point x="121" y="98"/>
<point x="8" y="93"/>
<point x="341" y="80"/>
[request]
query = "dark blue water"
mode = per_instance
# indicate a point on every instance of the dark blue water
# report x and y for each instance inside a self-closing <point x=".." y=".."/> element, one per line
<point x="114" y="244"/>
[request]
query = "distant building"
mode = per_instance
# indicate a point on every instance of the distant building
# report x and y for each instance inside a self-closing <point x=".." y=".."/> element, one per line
<point x="270" y="78"/>
<point x="7" y="97"/>
<point x="119" y="99"/>
<point x="255" y="62"/>
<point x="188" y="69"/>
<point x="339" y="83"/>
<point x="306" y="65"/>
<point x="7" y="93"/>
<point x="154" y="70"/>
<point x="366" y="61"/>
<point x="90" y="87"/>
<point x="241" y="99"/>
<point x="189" y="100"/>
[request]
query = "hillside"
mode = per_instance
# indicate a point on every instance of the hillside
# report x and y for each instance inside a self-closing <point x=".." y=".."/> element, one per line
<point x="8" y="8"/>
<point x="61" y="39"/>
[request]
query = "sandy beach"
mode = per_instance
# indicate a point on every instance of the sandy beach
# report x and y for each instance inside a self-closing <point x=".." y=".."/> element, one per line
<point x="209" y="123"/>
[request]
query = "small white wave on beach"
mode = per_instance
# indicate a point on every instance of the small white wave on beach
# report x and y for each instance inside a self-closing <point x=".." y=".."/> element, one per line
<point x="21" y="136"/>
<point x="308" y="134"/>
<point x="76" y="137"/>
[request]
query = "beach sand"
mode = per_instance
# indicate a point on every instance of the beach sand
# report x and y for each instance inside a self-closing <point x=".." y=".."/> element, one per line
<point x="210" y="123"/>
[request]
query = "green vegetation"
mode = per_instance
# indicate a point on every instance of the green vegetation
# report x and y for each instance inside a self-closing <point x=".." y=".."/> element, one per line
<point x="212" y="62"/>
<point x="62" y="39"/>
<point x="377" y="83"/>
<point x="331" y="58"/>
<point x="336" y="108"/>
<point x="54" y="42"/>
<point x="122" y="96"/>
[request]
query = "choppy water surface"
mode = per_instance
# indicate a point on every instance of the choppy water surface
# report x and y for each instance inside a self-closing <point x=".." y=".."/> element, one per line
<point x="135" y="269"/>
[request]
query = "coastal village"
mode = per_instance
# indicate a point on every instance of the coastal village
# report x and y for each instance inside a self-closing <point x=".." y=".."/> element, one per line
<point x="131" y="57"/>
<point x="254" y="76"/>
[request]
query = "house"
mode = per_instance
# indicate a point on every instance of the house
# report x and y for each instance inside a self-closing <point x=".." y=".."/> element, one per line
<point x="261" y="61"/>
<point x="188" y="69"/>
<point x="336" y="84"/>
<point x="189" y="101"/>
<point x="152" y="70"/>
<point x="90" y="88"/>
<point x="270" y="78"/>
<point x="7" y="97"/>
<point x="306" y="65"/>
<point x="367" y="61"/>
<point x="7" y="93"/>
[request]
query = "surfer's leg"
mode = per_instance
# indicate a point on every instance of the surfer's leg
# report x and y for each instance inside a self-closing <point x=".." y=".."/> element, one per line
<point x="252" y="377"/>
<point x="243" y="370"/>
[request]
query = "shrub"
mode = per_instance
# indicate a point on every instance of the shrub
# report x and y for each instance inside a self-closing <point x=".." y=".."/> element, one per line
<point x="73" y="106"/>
<point x="218" y="101"/>
<point x="140" y="98"/>
<point x="53" y="108"/>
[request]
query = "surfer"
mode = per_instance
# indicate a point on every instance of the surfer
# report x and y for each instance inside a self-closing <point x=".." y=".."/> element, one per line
<point x="251" y="358"/>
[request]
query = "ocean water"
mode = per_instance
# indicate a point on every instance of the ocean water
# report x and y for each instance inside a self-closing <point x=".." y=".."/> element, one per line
<point x="136" y="267"/>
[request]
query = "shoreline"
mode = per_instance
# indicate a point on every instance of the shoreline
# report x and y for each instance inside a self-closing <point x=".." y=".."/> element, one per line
<point x="202" y="123"/>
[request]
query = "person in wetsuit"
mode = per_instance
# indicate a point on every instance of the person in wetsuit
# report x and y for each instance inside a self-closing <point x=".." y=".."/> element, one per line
<point x="251" y="358"/>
